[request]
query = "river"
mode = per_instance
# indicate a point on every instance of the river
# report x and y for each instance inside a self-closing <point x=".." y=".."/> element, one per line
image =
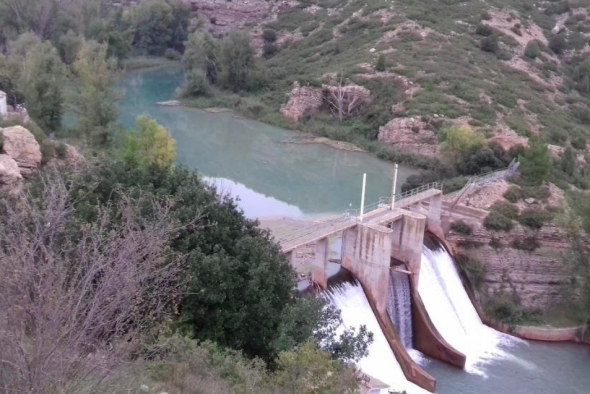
<point x="250" y="160"/>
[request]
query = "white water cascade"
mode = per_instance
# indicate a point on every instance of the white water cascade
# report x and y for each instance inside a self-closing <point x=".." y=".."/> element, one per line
<point x="399" y="306"/>
<point x="453" y="314"/>
<point x="349" y="297"/>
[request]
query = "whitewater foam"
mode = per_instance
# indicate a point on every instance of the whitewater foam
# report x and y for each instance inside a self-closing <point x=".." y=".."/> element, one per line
<point x="455" y="317"/>
<point x="381" y="363"/>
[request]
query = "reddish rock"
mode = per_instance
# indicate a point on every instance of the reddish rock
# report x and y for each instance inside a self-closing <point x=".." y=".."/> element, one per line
<point x="303" y="100"/>
<point x="410" y="134"/>
<point x="21" y="145"/>
<point x="9" y="171"/>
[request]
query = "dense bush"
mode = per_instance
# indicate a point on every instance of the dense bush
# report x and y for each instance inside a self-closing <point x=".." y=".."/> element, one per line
<point x="484" y="30"/>
<point x="504" y="308"/>
<point x="489" y="44"/>
<point x="495" y="221"/>
<point x="532" y="50"/>
<point x="557" y="43"/>
<point x="513" y="194"/>
<point x="506" y="209"/>
<point x="475" y="269"/>
<point x="172" y="54"/>
<point x="536" y="162"/>
<point x="534" y="218"/>
<point x="460" y="227"/>
<point x="269" y="35"/>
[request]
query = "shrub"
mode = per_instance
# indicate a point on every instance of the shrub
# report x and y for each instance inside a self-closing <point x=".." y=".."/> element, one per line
<point x="513" y="194"/>
<point x="484" y="30"/>
<point x="506" y="209"/>
<point x="213" y="20"/>
<point x="505" y="308"/>
<point x="489" y="44"/>
<point x="269" y="49"/>
<point x="529" y="244"/>
<point x="196" y="84"/>
<point x="495" y="221"/>
<point x="557" y="43"/>
<point x="172" y="54"/>
<point x="534" y="218"/>
<point x="381" y="65"/>
<point x="475" y="269"/>
<point x="269" y="35"/>
<point x="579" y="142"/>
<point x="532" y="49"/>
<point x="460" y="227"/>
<point x="536" y="162"/>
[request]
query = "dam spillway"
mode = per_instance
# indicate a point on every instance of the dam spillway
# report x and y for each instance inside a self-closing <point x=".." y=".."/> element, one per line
<point x="346" y="293"/>
<point x="453" y="314"/>
<point x="399" y="306"/>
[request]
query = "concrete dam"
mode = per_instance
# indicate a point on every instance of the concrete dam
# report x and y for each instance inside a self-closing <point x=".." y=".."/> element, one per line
<point x="402" y="284"/>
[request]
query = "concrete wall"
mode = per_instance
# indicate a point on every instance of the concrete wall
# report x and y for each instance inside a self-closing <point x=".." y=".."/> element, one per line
<point x="407" y="237"/>
<point x="366" y="252"/>
<point x="413" y="372"/>
<point x="318" y="273"/>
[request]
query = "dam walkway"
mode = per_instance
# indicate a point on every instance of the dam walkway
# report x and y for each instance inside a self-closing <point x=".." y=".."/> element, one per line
<point x="376" y="213"/>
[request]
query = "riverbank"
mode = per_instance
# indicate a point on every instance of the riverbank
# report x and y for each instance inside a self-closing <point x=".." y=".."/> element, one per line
<point x="252" y="106"/>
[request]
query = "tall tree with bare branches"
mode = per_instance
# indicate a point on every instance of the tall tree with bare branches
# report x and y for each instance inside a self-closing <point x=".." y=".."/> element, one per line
<point x="75" y="299"/>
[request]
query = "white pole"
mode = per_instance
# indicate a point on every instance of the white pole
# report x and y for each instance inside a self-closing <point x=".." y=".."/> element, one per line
<point x="393" y="191"/>
<point x="363" y="196"/>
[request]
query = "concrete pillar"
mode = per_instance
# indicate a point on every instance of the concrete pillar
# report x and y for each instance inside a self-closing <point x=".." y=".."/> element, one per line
<point x="407" y="239"/>
<point x="366" y="252"/>
<point x="434" y="215"/>
<point x="318" y="274"/>
<point x="3" y="105"/>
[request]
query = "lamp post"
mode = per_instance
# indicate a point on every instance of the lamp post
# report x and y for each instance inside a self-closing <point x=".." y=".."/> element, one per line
<point x="394" y="187"/>
<point x="363" y="196"/>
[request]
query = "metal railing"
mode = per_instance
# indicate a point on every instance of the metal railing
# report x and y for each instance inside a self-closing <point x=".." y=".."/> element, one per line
<point x="353" y="214"/>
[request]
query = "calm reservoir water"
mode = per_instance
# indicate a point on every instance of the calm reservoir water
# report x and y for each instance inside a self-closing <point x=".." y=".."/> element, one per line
<point x="252" y="160"/>
<point x="272" y="178"/>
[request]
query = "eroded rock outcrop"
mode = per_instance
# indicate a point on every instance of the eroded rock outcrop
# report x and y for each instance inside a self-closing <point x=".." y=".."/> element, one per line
<point x="410" y="134"/>
<point x="9" y="171"/>
<point x="303" y="100"/>
<point x="20" y="145"/>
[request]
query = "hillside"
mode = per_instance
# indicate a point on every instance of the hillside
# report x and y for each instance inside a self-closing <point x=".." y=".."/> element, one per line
<point x="509" y="69"/>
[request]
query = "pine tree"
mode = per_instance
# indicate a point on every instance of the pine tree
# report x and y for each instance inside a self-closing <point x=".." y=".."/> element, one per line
<point x="536" y="162"/>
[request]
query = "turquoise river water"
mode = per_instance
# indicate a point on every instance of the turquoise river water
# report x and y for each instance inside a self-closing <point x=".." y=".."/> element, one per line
<point x="251" y="160"/>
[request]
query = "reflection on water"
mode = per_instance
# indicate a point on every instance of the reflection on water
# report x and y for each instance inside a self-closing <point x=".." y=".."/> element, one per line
<point x="271" y="177"/>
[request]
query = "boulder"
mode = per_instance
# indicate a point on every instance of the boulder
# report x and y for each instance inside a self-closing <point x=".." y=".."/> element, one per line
<point x="22" y="147"/>
<point x="67" y="154"/>
<point x="303" y="100"/>
<point x="9" y="171"/>
<point x="410" y="134"/>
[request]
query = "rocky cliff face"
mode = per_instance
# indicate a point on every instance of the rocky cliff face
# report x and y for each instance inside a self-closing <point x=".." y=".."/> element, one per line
<point x="20" y="145"/>
<point x="303" y="100"/>
<point x="538" y="278"/>
<point x="410" y="134"/>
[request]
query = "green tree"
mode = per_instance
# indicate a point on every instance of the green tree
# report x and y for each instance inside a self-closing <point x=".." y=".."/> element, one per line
<point x="159" y="25"/>
<point x="310" y="318"/>
<point x="309" y="370"/>
<point x="237" y="279"/>
<point x="459" y="144"/>
<point x="536" y="162"/>
<point x="568" y="162"/>
<point x="381" y="65"/>
<point x="237" y="62"/>
<point x="149" y="144"/>
<point x="40" y="79"/>
<point x="68" y="46"/>
<point x="202" y="54"/>
<point x="95" y="99"/>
